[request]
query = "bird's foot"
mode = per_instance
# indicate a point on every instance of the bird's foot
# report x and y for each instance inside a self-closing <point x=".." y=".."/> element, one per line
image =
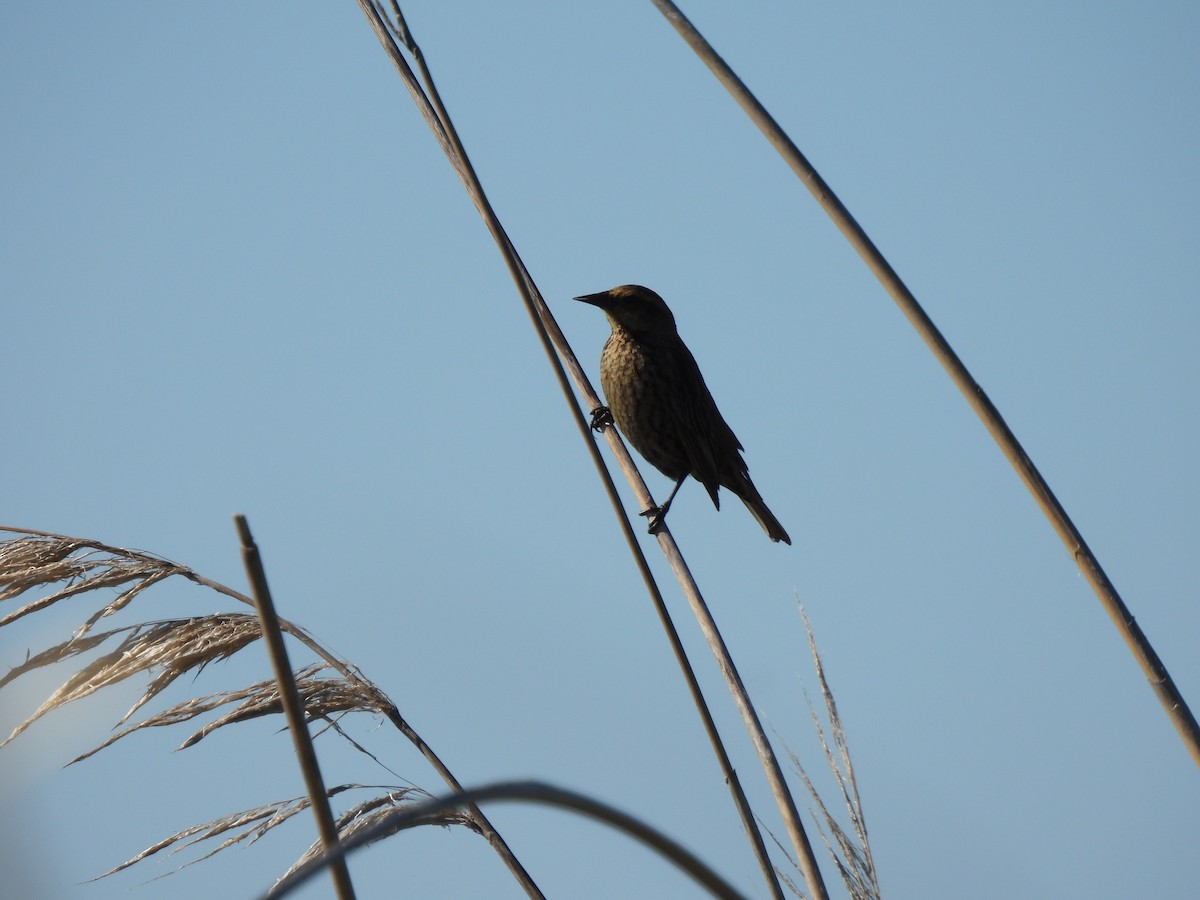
<point x="601" y="419"/>
<point x="655" y="517"/>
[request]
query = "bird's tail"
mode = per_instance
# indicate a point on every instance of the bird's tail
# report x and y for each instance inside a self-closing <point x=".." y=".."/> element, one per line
<point x="749" y="495"/>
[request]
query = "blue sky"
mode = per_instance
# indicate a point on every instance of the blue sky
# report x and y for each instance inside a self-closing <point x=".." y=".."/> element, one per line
<point x="239" y="276"/>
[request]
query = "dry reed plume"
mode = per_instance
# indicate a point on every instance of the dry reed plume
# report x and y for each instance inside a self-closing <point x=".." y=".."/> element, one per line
<point x="41" y="570"/>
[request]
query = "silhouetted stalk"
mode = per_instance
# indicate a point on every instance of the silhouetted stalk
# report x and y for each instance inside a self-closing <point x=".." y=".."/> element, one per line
<point x="530" y="792"/>
<point x="1152" y="667"/>
<point x="293" y="707"/>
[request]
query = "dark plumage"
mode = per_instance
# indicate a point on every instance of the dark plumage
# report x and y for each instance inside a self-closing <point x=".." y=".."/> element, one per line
<point x="663" y="407"/>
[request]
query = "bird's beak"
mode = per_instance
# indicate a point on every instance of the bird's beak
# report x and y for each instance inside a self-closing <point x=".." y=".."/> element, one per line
<point x="601" y="300"/>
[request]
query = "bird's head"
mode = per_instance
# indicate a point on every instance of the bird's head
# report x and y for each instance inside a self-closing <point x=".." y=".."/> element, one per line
<point x="635" y="309"/>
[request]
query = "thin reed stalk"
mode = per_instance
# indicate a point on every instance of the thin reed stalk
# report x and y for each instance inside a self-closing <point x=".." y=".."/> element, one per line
<point x="560" y="354"/>
<point x="1147" y="659"/>
<point x="529" y="792"/>
<point x="293" y="707"/>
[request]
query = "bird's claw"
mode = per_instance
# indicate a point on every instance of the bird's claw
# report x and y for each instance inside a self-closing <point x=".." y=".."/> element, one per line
<point x="654" y="518"/>
<point x="601" y="418"/>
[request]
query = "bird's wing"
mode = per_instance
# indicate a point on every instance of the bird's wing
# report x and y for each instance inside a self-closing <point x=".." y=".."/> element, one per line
<point x="709" y="442"/>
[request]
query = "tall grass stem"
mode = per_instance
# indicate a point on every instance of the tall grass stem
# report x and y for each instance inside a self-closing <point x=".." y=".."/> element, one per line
<point x="1147" y="659"/>
<point x="293" y="707"/>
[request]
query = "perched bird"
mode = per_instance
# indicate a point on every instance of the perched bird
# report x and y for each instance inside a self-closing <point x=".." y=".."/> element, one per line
<point x="659" y="400"/>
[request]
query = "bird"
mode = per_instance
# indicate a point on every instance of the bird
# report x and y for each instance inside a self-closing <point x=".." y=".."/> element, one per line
<point x="659" y="401"/>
